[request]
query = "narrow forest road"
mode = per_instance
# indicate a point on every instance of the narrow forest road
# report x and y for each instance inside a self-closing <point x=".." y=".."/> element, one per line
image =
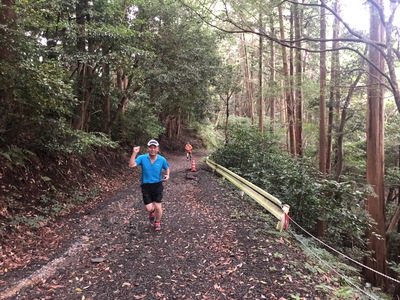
<point x="213" y="245"/>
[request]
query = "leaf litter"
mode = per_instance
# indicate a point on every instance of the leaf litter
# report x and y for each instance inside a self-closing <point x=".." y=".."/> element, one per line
<point x="213" y="245"/>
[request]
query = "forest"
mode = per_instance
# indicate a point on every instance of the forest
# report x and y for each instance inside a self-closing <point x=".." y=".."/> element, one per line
<point x="309" y="98"/>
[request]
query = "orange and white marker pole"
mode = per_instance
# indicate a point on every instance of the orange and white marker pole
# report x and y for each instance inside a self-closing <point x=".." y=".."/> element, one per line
<point x="193" y="168"/>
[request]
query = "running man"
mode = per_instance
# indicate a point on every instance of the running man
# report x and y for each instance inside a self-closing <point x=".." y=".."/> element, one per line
<point x="188" y="149"/>
<point x="152" y="188"/>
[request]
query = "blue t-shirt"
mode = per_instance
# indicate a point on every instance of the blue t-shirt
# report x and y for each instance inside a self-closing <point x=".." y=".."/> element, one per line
<point x="151" y="172"/>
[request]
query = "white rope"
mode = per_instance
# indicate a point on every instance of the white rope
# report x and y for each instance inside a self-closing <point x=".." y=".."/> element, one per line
<point x="333" y="270"/>
<point x="344" y="255"/>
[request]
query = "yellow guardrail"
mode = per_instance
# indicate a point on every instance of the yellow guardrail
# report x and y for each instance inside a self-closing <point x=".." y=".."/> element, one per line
<point x="266" y="200"/>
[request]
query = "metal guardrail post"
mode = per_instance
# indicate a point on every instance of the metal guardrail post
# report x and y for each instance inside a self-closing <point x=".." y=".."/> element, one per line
<point x="269" y="202"/>
<point x="283" y="223"/>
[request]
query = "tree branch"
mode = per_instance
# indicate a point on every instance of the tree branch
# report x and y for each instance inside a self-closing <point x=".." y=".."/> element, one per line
<point x="289" y="43"/>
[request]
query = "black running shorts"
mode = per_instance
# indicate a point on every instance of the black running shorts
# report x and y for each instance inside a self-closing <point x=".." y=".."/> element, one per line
<point x="152" y="192"/>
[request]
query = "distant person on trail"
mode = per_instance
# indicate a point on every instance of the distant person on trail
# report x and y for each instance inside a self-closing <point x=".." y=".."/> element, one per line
<point x="152" y="187"/>
<point x="188" y="149"/>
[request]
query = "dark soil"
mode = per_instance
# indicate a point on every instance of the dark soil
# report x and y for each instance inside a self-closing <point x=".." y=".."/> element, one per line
<point x="213" y="245"/>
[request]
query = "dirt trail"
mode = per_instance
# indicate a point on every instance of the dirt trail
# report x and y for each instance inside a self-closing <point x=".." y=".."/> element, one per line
<point x="213" y="245"/>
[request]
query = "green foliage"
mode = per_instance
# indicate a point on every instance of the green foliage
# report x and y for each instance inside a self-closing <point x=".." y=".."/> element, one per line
<point x="47" y="208"/>
<point x="157" y="47"/>
<point x="392" y="143"/>
<point x="211" y="138"/>
<point x="31" y="221"/>
<point x="258" y="158"/>
<point x="178" y="79"/>
<point x="227" y="79"/>
<point x="138" y="124"/>
<point x="343" y="210"/>
<point x="262" y="163"/>
<point x="345" y="275"/>
<point x="40" y="89"/>
<point x="16" y="156"/>
<point x="46" y="91"/>
<point x="393" y="254"/>
<point x="395" y="267"/>
<point x="60" y="138"/>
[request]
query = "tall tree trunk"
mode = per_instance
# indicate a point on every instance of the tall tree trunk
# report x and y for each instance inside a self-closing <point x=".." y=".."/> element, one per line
<point x="375" y="155"/>
<point x="247" y="78"/>
<point x="287" y="88"/>
<point x="321" y="225"/>
<point x="333" y="88"/>
<point x="239" y="104"/>
<point x="299" y="82"/>
<point x="322" y="95"/>
<point x="398" y="195"/>
<point x="272" y="83"/>
<point x="282" y="107"/>
<point x="106" y="106"/>
<point x="226" y="100"/>
<point x="253" y="79"/>
<point x="124" y="84"/>
<point x="178" y="131"/>
<point x="261" y="104"/>
<point x="340" y="132"/>
<point x="391" y="53"/>
<point x="217" y="119"/>
<point x="80" y="116"/>
<point x="7" y="19"/>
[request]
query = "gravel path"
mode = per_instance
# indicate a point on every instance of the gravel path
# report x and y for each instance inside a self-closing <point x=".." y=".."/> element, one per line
<point x="213" y="245"/>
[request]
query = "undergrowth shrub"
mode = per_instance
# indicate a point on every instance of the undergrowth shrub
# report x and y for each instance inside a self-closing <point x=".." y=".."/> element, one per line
<point x="62" y="139"/>
<point x="137" y="125"/>
<point x="15" y="156"/>
<point x="258" y="158"/>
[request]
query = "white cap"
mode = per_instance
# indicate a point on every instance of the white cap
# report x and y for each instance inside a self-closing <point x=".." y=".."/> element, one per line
<point x="152" y="142"/>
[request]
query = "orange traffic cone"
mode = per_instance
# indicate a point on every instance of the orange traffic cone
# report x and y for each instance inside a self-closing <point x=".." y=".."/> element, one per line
<point x="193" y="168"/>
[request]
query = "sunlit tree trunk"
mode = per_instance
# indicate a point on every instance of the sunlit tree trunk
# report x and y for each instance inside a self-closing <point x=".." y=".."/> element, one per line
<point x="375" y="154"/>
<point x="333" y="88"/>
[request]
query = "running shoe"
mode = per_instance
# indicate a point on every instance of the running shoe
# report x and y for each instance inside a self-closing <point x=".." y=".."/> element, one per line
<point x="152" y="216"/>
<point x="157" y="226"/>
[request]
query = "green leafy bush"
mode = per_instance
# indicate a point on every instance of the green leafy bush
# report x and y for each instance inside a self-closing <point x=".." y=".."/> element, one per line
<point x="137" y="125"/>
<point x="16" y="156"/>
<point x="61" y="138"/>
<point x="258" y="158"/>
